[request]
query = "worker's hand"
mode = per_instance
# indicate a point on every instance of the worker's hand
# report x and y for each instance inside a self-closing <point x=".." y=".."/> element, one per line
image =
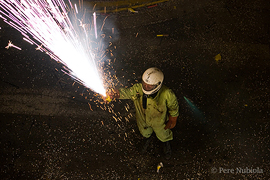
<point x="171" y="123"/>
<point x="113" y="93"/>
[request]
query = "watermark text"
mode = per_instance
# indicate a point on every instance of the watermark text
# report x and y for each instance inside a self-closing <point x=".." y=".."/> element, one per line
<point x="238" y="170"/>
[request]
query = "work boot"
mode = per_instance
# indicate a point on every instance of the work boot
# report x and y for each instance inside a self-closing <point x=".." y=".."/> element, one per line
<point x="147" y="142"/>
<point x="167" y="150"/>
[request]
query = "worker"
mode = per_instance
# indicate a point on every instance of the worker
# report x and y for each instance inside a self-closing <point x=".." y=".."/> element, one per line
<point x="156" y="108"/>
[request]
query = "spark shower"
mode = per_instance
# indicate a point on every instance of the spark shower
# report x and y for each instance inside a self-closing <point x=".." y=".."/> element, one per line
<point x="47" y="24"/>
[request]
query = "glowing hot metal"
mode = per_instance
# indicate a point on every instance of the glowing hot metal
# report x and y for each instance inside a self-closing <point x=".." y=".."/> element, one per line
<point x="47" y="25"/>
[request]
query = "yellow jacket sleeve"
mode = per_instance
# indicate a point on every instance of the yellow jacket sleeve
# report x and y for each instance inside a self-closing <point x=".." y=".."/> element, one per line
<point x="131" y="92"/>
<point x="172" y="103"/>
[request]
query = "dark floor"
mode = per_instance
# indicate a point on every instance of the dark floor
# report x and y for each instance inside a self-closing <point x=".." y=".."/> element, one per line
<point x="54" y="129"/>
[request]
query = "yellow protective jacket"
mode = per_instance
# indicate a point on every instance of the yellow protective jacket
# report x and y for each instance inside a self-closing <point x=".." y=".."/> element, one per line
<point x="156" y="113"/>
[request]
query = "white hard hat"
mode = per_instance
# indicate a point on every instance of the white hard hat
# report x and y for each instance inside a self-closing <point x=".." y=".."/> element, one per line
<point x="153" y="76"/>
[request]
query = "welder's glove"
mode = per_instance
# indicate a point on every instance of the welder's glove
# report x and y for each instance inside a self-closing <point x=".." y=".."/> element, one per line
<point x="113" y="93"/>
<point x="171" y="123"/>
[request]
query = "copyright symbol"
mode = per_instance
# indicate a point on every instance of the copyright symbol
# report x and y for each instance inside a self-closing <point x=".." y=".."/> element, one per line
<point x="213" y="170"/>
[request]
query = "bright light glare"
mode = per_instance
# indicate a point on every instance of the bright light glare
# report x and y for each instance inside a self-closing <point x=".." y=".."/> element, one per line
<point x="47" y="25"/>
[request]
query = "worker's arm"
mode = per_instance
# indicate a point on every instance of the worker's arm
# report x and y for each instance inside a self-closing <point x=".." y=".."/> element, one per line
<point x="171" y="123"/>
<point x="125" y="93"/>
<point x="122" y="93"/>
<point x="173" y="109"/>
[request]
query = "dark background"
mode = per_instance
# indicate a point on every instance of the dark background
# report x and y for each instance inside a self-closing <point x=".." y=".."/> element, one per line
<point x="54" y="129"/>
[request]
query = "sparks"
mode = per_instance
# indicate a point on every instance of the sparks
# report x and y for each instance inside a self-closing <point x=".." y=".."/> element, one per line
<point x="76" y="9"/>
<point x="47" y="25"/>
<point x="27" y="40"/>
<point x="95" y="23"/>
<point x="12" y="45"/>
<point x="39" y="48"/>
